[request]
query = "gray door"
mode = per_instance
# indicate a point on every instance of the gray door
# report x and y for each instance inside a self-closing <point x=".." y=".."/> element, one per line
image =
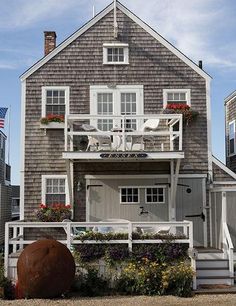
<point x="191" y="204"/>
<point x="104" y="201"/>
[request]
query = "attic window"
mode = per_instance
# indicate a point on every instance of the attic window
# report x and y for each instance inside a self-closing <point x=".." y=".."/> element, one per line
<point x="176" y="96"/>
<point x="115" y="53"/>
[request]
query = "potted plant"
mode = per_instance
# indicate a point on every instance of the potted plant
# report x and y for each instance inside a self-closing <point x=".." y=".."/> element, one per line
<point x="178" y="108"/>
<point x="55" y="213"/>
<point x="52" y="118"/>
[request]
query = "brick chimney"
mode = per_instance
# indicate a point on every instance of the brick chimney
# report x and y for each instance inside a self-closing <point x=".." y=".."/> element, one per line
<point x="49" y="41"/>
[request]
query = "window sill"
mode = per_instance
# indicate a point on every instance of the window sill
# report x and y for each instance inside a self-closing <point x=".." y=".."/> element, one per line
<point x="53" y="125"/>
<point x="115" y="63"/>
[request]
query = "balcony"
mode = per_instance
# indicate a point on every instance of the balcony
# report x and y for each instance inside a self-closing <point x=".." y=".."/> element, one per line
<point x="123" y="137"/>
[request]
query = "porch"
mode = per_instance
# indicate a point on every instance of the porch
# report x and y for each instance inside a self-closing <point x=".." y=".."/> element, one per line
<point x="125" y="232"/>
<point x="156" y="136"/>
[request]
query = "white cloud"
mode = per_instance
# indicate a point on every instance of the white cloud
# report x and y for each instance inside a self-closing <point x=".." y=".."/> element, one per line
<point x="28" y="12"/>
<point x="195" y="27"/>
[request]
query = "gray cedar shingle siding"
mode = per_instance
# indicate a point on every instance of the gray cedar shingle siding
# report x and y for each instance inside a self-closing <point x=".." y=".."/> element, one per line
<point x="80" y="65"/>
<point x="5" y="209"/>
<point x="220" y="175"/>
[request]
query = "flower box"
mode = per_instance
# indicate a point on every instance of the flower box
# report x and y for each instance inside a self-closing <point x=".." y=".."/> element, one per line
<point x="53" y="125"/>
<point x="55" y="213"/>
<point x="52" y="122"/>
<point x="178" y="108"/>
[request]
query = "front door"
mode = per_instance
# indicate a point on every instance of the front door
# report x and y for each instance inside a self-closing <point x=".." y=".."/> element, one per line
<point x="190" y="206"/>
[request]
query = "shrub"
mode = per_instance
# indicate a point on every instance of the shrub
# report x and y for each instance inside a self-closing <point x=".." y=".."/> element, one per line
<point x="147" y="277"/>
<point x="5" y="283"/>
<point x="89" y="283"/>
<point x="177" y="280"/>
<point x="142" y="277"/>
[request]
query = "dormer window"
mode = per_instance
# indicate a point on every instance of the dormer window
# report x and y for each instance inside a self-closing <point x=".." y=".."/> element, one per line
<point x="115" y="54"/>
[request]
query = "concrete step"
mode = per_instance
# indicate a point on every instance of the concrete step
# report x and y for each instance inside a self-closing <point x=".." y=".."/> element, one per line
<point x="215" y="289"/>
<point x="213" y="280"/>
<point x="212" y="272"/>
<point x="212" y="263"/>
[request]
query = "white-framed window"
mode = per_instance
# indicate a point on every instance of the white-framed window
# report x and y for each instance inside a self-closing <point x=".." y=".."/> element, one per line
<point x="231" y="138"/>
<point x="55" y="190"/>
<point x="55" y="100"/>
<point x="115" y="53"/>
<point x="129" y="195"/>
<point x="176" y="96"/>
<point x="155" y="194"/>
<point x="116" y="101"/>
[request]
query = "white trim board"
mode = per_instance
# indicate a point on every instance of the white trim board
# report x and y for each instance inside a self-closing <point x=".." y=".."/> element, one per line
<point x="224" y="183"/>
<point x="230" y="97"/>
<point x="53" y="176"/>
<point x="22" y="153"/>
<point x="99" y="16"/>
<point x="222" y="189"/>
<point x="223" y="167"/>
<point x="141" y="176"/>
<point x="44" y="90"/>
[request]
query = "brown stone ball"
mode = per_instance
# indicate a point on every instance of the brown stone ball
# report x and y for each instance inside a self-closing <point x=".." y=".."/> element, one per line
<point x="46" y="269"/>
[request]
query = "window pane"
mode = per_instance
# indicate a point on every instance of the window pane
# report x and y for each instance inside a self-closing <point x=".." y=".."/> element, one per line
<point x="231" y="146"/>
<point x="55" y="102"/>
<point x="154" y="195"/>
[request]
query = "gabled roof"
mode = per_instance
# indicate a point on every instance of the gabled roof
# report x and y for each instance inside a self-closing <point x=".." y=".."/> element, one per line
<point x="223" y="167"/>
<point x="230" y="97"/>
<point x="94" y="20"/>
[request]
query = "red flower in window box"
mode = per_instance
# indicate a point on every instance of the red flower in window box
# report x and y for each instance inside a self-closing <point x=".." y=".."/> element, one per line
<point x="52" y="118"/>
<point x="57" y="212"/>
<point x="180" y="108"/>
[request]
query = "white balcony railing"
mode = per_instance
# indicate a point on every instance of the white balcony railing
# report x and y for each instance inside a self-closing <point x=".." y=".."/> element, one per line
<point x="164" y="133"/>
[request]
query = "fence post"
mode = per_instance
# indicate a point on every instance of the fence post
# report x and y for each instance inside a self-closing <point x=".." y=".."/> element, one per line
<point x="15" y="238"/>
<point x="68" y="235"/>
<point x="130" y="227"/>
<point x="6" y="251"/>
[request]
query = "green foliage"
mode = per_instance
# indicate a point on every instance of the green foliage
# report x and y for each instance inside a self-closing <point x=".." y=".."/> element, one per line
<point x="142" y="277"/>
<point x="52" y="118"/>
<point x="147" y="277"/>
<point x="91" y="235"/>
<point x="5" y="283"/>
<point x="177" y="279"/>
<point x="55" y="213"/>
<point x="89" y="283"/>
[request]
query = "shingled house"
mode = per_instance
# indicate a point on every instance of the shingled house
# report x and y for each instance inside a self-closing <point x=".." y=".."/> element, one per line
<point x="5" y="188"/>
<point x="230" y="141"/>
<point x="135" y="142"/>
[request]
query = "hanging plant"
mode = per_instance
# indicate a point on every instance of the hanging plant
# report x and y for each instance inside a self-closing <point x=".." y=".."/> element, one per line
<point x="177" y="108"/>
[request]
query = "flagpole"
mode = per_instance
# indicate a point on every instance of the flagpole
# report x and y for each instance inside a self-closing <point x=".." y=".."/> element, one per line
<point x="9" y="131"/>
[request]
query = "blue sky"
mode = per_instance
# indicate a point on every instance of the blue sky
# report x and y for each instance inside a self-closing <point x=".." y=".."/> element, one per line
<point x="201" y="29"/>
